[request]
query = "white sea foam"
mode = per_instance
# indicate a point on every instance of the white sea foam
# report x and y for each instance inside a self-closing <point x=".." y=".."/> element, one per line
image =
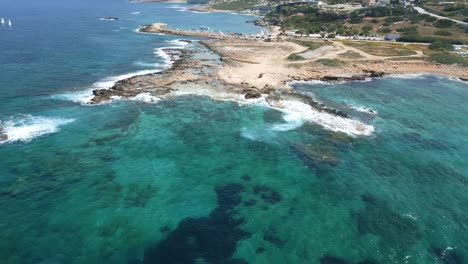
<point x="178" y="43"/>
<point x="412" y="216"/>
<point x="135" y="13"/>
<point x="145" y="98"/>
<point x="296" y="112"/>
<point x="408" y="76"/>
<point x="84" y="96"/>
<point x="363" y="109"/>
<point x="314" y="82"/>
<point x="27" y="127"/>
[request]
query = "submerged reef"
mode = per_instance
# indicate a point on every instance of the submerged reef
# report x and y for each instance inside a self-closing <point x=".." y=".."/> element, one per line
<point x="211" y="239"/>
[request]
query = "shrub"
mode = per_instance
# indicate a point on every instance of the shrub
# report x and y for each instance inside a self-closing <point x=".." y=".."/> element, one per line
<point x="446" y="58"/>
<point x="408" y="30"/>
<point x="393" y="19"/>
<point x="331" y="62"/>
<point x="385" y="30"/>
<point x="444" y="23"/>
<point x="441" y="45"/>
<point x="430" y="18"/>
<point x="443" y="33"/>
<point x="375" y="21"/>
<point x="294" y="56"/>
<point x="331" y="36"/>
<point x="355" y="20"/>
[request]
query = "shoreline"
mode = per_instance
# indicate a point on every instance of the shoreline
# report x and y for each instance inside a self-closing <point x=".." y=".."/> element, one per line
<point x="236" y="68"/>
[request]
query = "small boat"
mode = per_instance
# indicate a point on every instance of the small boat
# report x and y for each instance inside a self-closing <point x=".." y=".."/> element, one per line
<point x="204" y="28"/>
<point x="3" y="21"/>
<point x="9" y="23"/>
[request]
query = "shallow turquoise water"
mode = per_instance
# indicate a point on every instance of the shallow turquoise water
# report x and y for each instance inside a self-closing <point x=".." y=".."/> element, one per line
<point x="190" y="175"/>
<point x="192" y="180"/>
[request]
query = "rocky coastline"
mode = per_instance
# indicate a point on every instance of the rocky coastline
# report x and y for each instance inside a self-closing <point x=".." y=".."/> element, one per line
<point x="252" y="70"/>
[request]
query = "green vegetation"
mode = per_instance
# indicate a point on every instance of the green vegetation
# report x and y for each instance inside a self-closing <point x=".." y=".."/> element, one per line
<point x="393" y="19"/>
<point x="310" y="19"/>
<point x="385" y="30"/>
<point x="444" y="23"/>
<point x="350" y="55"/>
<point x="382" y="49"/>
<point x="295" y="57"/>
<point x="309" y="44"/>
<point x="408" y="30"/>
<point x="331" y="62"/>
<point x="413" y="27"/>
<point x="234" y="5"/>
<point x="443" y="33"/>
<point x="446" y="58"/>
<point x="441" y="45"/>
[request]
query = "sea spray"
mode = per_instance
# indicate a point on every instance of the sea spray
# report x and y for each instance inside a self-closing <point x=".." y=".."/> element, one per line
<point x="25" y="128"/>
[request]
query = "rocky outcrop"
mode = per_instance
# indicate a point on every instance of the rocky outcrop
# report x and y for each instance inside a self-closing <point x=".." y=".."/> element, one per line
<point x="3" y="135"/>
<point x="374" y="74"/>
<point x="252" y="93"/>
<point x="361" y="77"/>
<point x="155" y="83"/>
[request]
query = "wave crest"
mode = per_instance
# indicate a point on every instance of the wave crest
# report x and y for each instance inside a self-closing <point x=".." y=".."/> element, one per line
<point x="27" y="127"/>
<point x="296" y="112"/>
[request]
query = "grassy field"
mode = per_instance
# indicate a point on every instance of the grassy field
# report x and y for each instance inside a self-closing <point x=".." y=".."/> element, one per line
<point x="309" y="44"/>
<point x="382" y="49"/>
<point x="350" y="55"/>
<point x="331" y="62"/>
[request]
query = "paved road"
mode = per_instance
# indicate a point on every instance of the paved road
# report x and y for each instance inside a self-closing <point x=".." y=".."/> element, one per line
<point x="422" y="11"/>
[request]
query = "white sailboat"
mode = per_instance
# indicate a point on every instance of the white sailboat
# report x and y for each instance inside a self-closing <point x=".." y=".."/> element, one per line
<point x="3" y="21"/>
<point x="9" y="23"/>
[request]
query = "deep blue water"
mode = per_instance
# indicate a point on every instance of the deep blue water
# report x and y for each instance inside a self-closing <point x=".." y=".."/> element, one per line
<point x="192" y="180"/>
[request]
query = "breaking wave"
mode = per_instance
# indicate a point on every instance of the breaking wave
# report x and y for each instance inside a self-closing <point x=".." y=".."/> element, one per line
<point x="295" y="113"/>
<point x="27" y="127"/>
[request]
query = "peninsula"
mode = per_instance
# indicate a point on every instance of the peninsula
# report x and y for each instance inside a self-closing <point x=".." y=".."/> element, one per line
<point x="250" y="69"/>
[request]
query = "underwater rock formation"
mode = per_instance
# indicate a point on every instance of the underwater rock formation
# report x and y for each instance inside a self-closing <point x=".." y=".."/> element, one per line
<point x="212" y="239"/>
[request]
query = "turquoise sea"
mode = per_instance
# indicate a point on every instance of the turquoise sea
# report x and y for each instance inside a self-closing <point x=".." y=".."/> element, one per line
<point x="193" y="180"/>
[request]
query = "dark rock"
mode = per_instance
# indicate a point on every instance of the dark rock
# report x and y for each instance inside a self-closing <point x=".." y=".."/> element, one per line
<point x="328" y="259"/>
<point x="267" y="194"/>
<point x="213" y="238"/>
<point x="252" y="95"/>
<point x="331" y="78"/>
<point x="368" y="261"/>
<point x="447" y="255"/>
<point x="164" y="229"/>
<point x="398" y="234"/>
<point x="246" y="177"/>
<point x="374" y="74"/>
<point x="259" y="250"/>
<point x="358" y="78"/>
<point x="250" y="202"/>
<point x="270" y="236"/>
<point x="3" y="135"/>
<point x="315" y="155"/>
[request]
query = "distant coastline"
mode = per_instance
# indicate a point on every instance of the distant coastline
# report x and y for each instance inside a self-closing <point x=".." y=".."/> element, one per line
<point x="159" y="1"/>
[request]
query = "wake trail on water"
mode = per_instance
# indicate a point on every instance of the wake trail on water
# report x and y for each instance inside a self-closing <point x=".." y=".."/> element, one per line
<point x="25" y="128"/>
